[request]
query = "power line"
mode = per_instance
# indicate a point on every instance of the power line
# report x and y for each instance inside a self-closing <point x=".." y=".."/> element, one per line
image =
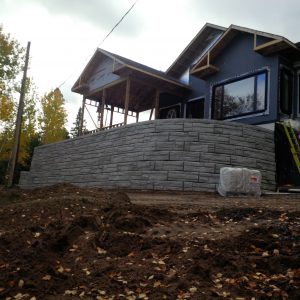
<point x="110" y="32"/>
<point x="128" y="11"/>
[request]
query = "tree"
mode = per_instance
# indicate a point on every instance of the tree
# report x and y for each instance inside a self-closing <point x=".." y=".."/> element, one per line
<point x="75" y="131"/>
<point x="11" y="63"/>
<point x="53" y="117"/>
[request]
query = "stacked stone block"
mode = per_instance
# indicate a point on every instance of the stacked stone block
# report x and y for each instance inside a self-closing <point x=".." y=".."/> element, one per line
<point x="173" y="154"/>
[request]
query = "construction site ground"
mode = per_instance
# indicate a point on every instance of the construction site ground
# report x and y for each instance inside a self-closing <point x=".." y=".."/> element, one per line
<point x="65" y="242"/>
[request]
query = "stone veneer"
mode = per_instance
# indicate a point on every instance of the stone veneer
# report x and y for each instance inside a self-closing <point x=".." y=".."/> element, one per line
<point x="172" y="154"/>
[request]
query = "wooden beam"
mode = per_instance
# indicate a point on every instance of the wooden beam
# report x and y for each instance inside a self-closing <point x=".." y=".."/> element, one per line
<point x="82" y="115"/>
<point x="255" y="41"/>
<point x="111" y="115"/>
<point x="127" y="96"/>
<point x="151" y="113"/>
<point x="157" y="94"/>
<point x="102" y="108"/>
<point x="274" y="46"/>
<point x="137" y="117"/>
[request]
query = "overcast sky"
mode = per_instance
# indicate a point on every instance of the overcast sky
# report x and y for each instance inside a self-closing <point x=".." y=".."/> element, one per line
<point x="65" y="33"/>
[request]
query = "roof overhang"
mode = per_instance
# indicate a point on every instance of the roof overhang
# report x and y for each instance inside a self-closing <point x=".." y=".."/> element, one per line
<point x="277" y="44"/>
<point x="196" y="46"/>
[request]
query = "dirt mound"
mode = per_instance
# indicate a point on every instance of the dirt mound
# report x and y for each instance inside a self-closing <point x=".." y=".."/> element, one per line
<point x="65" y="242"/>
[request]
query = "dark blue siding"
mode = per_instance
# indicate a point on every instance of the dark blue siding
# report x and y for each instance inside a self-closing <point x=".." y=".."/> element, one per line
<point x="236" y="60"/>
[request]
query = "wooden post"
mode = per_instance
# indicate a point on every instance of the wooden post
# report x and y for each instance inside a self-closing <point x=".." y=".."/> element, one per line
<point x="15" y="150"/>
<point x="112" y="108"/>
<point x="82" y="116"/>
<point x="127" y="95"/>
<point x="157" y="93"/>
<point x="151" y="114"/>
<point x="255" y="41"/>
<point x="102" y="108"/>
<point x="137" y="117"/>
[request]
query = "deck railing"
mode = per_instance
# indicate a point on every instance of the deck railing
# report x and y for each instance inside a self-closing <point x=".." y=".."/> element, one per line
<point x="103" y="128"/>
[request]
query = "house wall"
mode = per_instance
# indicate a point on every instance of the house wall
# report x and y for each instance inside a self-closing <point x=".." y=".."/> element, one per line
<point x="236" y="60"/>
<point x="102" y="74"/>
<point x="174" y="154"/>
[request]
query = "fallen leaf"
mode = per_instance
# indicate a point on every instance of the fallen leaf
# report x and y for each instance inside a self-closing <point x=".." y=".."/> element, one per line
<point x="101" y="251"/>
<point x="47" y="277"/>
<point x="21" y="283"/>
<point x="71" y="292"/>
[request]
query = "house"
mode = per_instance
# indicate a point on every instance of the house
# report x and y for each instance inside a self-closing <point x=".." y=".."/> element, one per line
<point x="232" y="74"/>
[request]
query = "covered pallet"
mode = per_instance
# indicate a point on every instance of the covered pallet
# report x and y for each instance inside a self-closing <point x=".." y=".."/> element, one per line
<point x="239" y="181"/>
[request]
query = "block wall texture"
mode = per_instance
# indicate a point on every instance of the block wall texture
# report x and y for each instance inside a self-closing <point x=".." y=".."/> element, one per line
<point x="173" y="154"/>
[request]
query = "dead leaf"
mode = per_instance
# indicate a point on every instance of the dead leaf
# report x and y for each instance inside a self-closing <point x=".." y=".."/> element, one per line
<point x="21" y="283"/>
<point x="47" y="277"/>
<point x="101" y="251"/>
<point x="70" y="292"/>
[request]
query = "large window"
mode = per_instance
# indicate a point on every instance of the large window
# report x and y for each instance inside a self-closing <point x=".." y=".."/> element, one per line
<point x="286" y="91"/>
<point x="240" y="97"/>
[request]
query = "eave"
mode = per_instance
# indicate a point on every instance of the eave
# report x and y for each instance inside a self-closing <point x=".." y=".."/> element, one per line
<point x="205" y="71"/>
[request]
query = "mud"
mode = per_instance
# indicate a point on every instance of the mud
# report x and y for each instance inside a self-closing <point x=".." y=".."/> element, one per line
<point x="64" y="242"/>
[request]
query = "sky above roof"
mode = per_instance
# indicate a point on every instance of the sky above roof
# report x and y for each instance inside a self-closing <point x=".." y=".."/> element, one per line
<point x="65" y="33"/>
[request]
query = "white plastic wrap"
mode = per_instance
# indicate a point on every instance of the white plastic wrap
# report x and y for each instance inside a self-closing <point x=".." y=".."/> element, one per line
<point x="239" y="181"/>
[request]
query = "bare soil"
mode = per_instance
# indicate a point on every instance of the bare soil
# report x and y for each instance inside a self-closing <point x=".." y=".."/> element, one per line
<point x="65" y="242"/>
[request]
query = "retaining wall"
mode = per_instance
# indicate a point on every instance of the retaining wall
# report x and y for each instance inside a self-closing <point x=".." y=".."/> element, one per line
<point x="173" y="154"/>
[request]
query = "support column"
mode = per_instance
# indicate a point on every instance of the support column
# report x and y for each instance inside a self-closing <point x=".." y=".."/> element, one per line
<point x="157" y="93"/>
<point x="102" y="108"/>
<point x="127" y="95"/>
<point x="151" y="114"/>
<point x="82" y="116"/>
<point x="112" y="108"/>
<point x="137" y="117"/>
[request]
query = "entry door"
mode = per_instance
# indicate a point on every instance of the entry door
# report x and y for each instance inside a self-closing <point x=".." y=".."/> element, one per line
<point x="195" y="109"/>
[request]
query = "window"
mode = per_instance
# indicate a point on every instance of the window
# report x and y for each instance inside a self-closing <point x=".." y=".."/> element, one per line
<point x="240" y="97"/>
<point x="195" y="109"/>
<point x="170" y="112"/>
<point x="286" y="91"/>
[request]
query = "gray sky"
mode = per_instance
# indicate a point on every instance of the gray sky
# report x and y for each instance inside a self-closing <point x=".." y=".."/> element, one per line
<point x="65" y="33"/>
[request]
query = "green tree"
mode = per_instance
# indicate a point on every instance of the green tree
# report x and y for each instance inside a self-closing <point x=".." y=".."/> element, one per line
<point x="75" y="131"/>
<point x="53" y="117"/>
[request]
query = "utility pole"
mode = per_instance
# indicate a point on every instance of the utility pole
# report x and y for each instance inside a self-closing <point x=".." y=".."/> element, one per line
<point x="15" y="151"/>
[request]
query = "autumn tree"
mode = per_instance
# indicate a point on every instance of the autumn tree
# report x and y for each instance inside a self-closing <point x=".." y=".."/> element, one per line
<point x="53" y="117"/>
<point x="75" y="130"/>
<point x="11" y="62"/>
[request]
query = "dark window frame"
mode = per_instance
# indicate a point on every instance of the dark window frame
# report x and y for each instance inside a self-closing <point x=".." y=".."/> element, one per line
<point x="291" y="75"/>
<point x="200" y="99"/>
<point x="255" y="75"/>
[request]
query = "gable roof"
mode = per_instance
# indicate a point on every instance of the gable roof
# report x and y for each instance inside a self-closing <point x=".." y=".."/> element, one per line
<point x="198" y="44"/>
<point x="123" y="63"/>
<point x="276" y="44"/>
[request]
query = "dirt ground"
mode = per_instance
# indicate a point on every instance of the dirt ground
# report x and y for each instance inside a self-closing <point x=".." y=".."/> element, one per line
<point x="65" y="242"/>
